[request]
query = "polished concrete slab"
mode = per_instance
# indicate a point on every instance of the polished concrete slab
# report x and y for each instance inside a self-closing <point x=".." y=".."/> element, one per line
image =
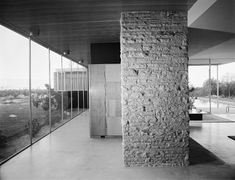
<point x="214" y="137"/>
<point x="69" y="154"/>
<point x="229" y="116"/>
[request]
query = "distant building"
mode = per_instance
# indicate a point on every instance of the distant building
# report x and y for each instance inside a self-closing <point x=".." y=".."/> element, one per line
<point x="67" y="80"/>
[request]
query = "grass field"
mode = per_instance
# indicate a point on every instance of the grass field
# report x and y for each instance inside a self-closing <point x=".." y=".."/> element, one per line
<point x="14" y="116"/>
<point x="14" y="124"/>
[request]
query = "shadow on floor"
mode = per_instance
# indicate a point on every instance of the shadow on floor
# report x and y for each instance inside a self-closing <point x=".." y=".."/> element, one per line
<point x="232" y="137"/>
<point x="211" y="118"/>
<point x="199" y="155"/>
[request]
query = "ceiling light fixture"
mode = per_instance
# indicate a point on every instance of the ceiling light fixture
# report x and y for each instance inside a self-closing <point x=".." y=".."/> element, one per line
<point x="34" y="31"/>
<point x="80" y="61"/>
<point x="66" y="52"/>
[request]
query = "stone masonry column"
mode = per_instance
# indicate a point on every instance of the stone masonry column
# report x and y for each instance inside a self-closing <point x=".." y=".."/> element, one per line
<point x="154" y="73"/>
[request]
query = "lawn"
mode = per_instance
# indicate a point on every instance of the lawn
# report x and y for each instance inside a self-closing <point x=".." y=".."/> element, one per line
<point x="14" y="116"/>
<point x="14" y="124"/>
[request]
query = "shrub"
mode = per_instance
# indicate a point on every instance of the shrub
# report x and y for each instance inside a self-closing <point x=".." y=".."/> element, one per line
<point x="3" y="139"/>
<point x="35" y="127"/>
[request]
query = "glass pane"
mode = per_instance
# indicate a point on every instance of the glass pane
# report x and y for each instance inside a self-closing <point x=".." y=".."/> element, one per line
<point x="56" y="90"/>
<point x="40" y="91"/>
<point x="80" y="88"/>
<point x="199" y="88"/>
<point x="14" y="93"/>
<point x="85" y="89"/>
<point x="74" y="90"/>
<point x="67" y="89"/>
<point x="214" y="107"/>
<point x="226" y="101"/>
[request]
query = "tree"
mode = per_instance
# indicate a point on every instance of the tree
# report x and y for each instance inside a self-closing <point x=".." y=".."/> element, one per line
<point x="206" y="87"/>
<point x="41" y="99"/>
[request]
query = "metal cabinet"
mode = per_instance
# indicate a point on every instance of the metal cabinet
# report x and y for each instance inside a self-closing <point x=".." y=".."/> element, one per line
<point x="105" y="99"/>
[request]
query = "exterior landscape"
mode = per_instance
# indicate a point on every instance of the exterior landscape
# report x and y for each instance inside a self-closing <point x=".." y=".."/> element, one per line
<point x="15" y="115"/>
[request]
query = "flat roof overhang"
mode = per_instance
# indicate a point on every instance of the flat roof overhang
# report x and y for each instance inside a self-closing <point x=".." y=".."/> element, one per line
<point x="74" y="25"/>
<point x="207" y="61"/>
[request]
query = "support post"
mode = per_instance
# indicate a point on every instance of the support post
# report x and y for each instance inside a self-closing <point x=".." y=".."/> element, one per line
<point x="84" y="78"/>
<point x="82" y="92"/>
<point x="62" y="89"/>
<point x="210" y="86"/>
<point x="49" y="93"/>
<point x="71" y="91"/>
<point x="30" y="96"/>
<point x="78" y="86"/>
<point x="217" y="76"/>
<point x="87" y="87"/>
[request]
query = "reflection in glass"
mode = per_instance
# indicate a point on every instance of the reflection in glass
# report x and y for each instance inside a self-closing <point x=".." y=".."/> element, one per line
<point x="40" y="91"/>
<point x="14" y="93"/>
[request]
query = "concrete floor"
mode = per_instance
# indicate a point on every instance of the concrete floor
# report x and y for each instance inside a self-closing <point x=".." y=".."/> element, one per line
<point x="214" y="137"/>
<point x="229" y="116"/>
<point x="69" y="154"/>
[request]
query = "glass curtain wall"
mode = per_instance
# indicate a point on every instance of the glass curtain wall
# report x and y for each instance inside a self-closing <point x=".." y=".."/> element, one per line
<point x="212" y="89"/>
<point x="223" y="104"/>
<point x="40" y="91"/>
<point x="67" y="89"/>
<point x="56" y="79"/>
<point x="199" y="88"/>
<point x="14" y="93"/>
<point x="85" y="88"/>
<point x="74" y="74"/>
<point x="32" y="73"/>
<point x="80" y="88"/>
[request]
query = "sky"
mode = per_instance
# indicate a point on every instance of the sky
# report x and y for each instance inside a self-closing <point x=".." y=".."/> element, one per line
<point x="199" y="74"/>
<point x="14" y="63"/>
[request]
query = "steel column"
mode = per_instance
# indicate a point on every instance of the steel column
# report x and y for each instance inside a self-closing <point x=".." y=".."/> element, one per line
<point x="209" y="85"/>
<point x="30" y="96"/>
<point x="62" y="89"/>
<point x="49" y="93"/>
<point x="217" y="84"/>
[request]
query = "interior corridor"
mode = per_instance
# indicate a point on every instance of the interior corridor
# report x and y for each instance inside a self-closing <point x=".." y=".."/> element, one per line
<point x="69" y="153"/>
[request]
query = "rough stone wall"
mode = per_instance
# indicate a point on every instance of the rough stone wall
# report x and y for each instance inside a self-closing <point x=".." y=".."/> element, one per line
<point x="154" y="73"/>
